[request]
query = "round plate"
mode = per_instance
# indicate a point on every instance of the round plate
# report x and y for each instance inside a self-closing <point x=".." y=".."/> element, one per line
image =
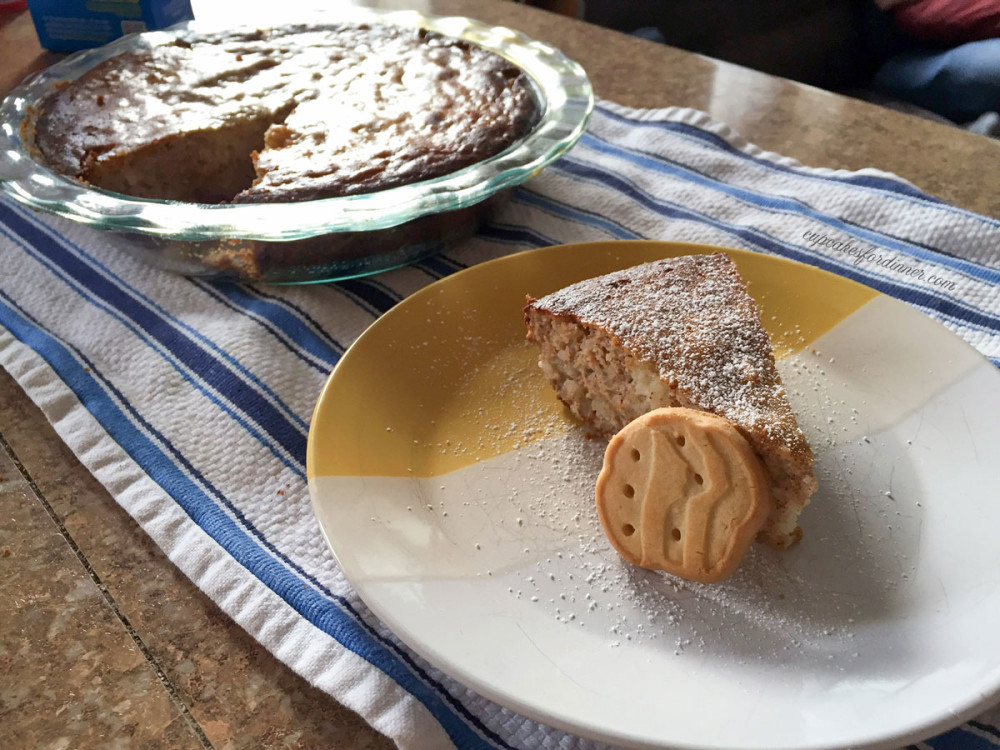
<point x="457" y="497"/>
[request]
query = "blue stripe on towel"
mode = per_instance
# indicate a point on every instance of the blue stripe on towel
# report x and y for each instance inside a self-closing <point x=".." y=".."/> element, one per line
<point x="439" y="266"/>
<point x="964" y="738"/>
<point x="575" y="214"/>
<point x="958" y="311"/>
<point x="203" y="503"/>
<point x="301" y="336"/>
<point x="780" y="204"/>
<point x="874" y="182"/>
<point x="253" y="410"/>
<point x="515" y="235"/>
<point x="993" y="732"/>
<point x="373" y="297"/>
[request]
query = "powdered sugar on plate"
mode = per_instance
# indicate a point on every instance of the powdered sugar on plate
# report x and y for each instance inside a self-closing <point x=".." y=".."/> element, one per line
<point x="809" y="600"/>
<point x="566" y="567"/>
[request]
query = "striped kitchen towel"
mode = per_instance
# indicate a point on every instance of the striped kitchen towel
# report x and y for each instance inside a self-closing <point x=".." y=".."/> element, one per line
<point x="190" y="400"/>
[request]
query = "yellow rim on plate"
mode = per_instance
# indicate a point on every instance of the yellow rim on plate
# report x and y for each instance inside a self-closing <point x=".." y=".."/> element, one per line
<point x="445" y="378"/>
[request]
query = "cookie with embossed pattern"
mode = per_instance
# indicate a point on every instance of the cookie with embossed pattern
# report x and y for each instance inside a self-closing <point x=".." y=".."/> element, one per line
<point x="681" y="490"/>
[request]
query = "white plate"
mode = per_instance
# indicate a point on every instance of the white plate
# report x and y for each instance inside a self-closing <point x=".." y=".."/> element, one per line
<point x="458" y="500"/>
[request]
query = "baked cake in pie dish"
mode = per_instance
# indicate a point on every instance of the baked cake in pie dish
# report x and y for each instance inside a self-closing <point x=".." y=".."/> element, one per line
<point x="358" y="142"/>
<point x="678" y="332"/>
<point x="284" y="114"/>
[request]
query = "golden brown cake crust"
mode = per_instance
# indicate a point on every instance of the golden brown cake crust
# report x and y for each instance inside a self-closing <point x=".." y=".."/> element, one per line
<point x="330" y="111"/>
<point x="689" y="325"/>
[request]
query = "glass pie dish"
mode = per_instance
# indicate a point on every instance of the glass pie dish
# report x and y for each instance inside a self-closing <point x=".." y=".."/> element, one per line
<point x="313" y="240"/>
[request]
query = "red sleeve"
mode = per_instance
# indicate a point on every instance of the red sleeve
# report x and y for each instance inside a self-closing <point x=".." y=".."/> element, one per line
<point x="949" y="21"/>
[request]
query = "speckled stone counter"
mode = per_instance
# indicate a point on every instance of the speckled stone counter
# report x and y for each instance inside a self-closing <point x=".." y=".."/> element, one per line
<point x="104" y="644"/>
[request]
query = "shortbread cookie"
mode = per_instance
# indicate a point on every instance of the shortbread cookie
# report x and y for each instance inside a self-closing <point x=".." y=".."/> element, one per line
<point x="681" y="490"/>
<point x="676" y="332"/>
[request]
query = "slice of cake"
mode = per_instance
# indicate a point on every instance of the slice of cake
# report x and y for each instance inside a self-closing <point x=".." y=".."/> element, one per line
<point x="676" y="332"/>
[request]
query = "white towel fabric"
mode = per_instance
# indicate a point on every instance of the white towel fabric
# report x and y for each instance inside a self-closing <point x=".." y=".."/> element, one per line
<point x="191" y="400"/>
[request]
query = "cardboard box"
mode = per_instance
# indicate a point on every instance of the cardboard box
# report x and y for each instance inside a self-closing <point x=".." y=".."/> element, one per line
<point x="69" y="25"/>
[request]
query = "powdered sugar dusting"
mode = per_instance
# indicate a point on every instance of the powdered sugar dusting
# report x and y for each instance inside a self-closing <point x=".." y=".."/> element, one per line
<point x="693" y="318"/>
<point x="583" y="583"/>
<point x="676" y="332"/>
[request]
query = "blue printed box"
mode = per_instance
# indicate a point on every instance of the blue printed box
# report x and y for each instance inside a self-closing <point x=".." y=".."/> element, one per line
<point x="68" y="25"/>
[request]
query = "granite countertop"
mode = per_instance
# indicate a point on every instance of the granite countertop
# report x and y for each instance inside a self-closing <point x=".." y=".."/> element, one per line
<point x="104" y="643"/>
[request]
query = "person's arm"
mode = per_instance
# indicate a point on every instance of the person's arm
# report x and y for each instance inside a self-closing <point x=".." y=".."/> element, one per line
<point x="948" y="22"/>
